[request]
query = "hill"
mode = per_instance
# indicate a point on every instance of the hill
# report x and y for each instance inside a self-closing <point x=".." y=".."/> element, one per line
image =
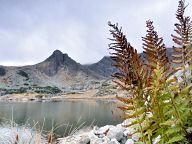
<point x="57" y="72"/>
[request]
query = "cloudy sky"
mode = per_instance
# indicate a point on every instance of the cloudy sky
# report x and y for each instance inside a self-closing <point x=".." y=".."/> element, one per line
<point x="30" y="30"/>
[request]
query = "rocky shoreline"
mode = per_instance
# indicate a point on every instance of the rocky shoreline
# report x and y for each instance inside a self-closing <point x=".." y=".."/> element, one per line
<point x="108" y="134"/>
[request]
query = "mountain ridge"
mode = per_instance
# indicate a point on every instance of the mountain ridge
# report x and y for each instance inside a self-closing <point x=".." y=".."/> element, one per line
<point x="59" y="70"/>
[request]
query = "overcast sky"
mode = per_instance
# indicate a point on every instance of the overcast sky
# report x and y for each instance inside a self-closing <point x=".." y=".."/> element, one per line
<point x="30" y="30"/>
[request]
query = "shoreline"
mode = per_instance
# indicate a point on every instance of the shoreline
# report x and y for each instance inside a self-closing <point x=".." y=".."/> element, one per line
<point x="35" y="97"/>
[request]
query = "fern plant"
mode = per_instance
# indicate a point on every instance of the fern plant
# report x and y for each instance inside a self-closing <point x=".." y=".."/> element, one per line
<point x="182" y="55"/>
<point x="152" y="86"/>
<point x="160" y="97"/>
<point x="131" y="77"/>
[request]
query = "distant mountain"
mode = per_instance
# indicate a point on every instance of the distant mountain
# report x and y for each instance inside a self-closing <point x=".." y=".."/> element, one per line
<point x="58" y="70"/>
<point x="55" y="62"/>
<point x="59" y="61"/>
<point x="103" y="67"/>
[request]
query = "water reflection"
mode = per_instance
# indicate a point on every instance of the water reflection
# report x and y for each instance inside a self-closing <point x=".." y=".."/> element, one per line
<point x="52" y="114"/>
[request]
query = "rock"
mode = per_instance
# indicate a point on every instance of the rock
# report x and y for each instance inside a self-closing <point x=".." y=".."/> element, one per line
<point x="115" y="132"/>
<point x="108" y="134"/>
<point x="113" y="141"/>
<point x="123" y="140"/>
<point x="80" y="137"/>
<point x="101" y="131"/>
<point x="84" y="140"/>
<point x="92" y="135"/>
<point x="76" y="139"/>
<point x="96" y="140"/>
<point x="129" y="141"/>
<point x="119" y="125"/>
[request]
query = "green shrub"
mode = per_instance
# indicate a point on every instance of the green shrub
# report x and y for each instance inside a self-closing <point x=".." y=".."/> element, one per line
<point x="48" y="90"/>
<point x="25" y="84"/>
<point x="16" y="91"/>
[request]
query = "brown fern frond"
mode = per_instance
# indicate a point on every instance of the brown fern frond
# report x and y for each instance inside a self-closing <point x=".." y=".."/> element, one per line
<point x="181" y="11"/>
<point x="125" y="108"/>
<point x="189" y="54"/>
<point x="126" y="59"/>
<point x="154" y="49"/>
<point x="183" y="38"/>
<point x="131" y="76"/>
<point x="125" y="100"/>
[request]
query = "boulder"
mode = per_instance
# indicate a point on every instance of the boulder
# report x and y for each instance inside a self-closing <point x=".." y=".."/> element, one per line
<point x="113" y="141"/>
<point x="129" y="141"/>
<point x="115" y="132"/>
<point x="80" y="137"/>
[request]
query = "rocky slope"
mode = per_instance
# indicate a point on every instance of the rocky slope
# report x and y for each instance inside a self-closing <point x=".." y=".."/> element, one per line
<point x="103" y="67"/>
<point x="62" y="62"/>
<point x="57" y="73"/>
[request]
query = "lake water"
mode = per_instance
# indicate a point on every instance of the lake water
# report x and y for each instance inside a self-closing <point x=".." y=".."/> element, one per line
<point x="70" y="114"/>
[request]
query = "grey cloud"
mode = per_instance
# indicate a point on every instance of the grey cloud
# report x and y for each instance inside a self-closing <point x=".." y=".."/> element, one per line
<point x="31" y="30"/>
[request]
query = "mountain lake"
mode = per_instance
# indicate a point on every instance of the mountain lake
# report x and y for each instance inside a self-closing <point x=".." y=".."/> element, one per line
<point x="66" y="115"/>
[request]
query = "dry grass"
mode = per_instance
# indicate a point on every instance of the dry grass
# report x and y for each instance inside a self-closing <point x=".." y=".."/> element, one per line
<point x="12" y="133"/>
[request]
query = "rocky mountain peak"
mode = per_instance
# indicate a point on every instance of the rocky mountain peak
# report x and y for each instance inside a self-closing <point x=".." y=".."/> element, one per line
<point x="58" y="58"/>
<point x="57" y="61"/>
<point x="57" y="53"/>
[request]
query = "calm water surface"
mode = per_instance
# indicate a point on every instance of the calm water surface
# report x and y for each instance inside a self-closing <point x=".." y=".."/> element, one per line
<point x="52" y="114"/>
